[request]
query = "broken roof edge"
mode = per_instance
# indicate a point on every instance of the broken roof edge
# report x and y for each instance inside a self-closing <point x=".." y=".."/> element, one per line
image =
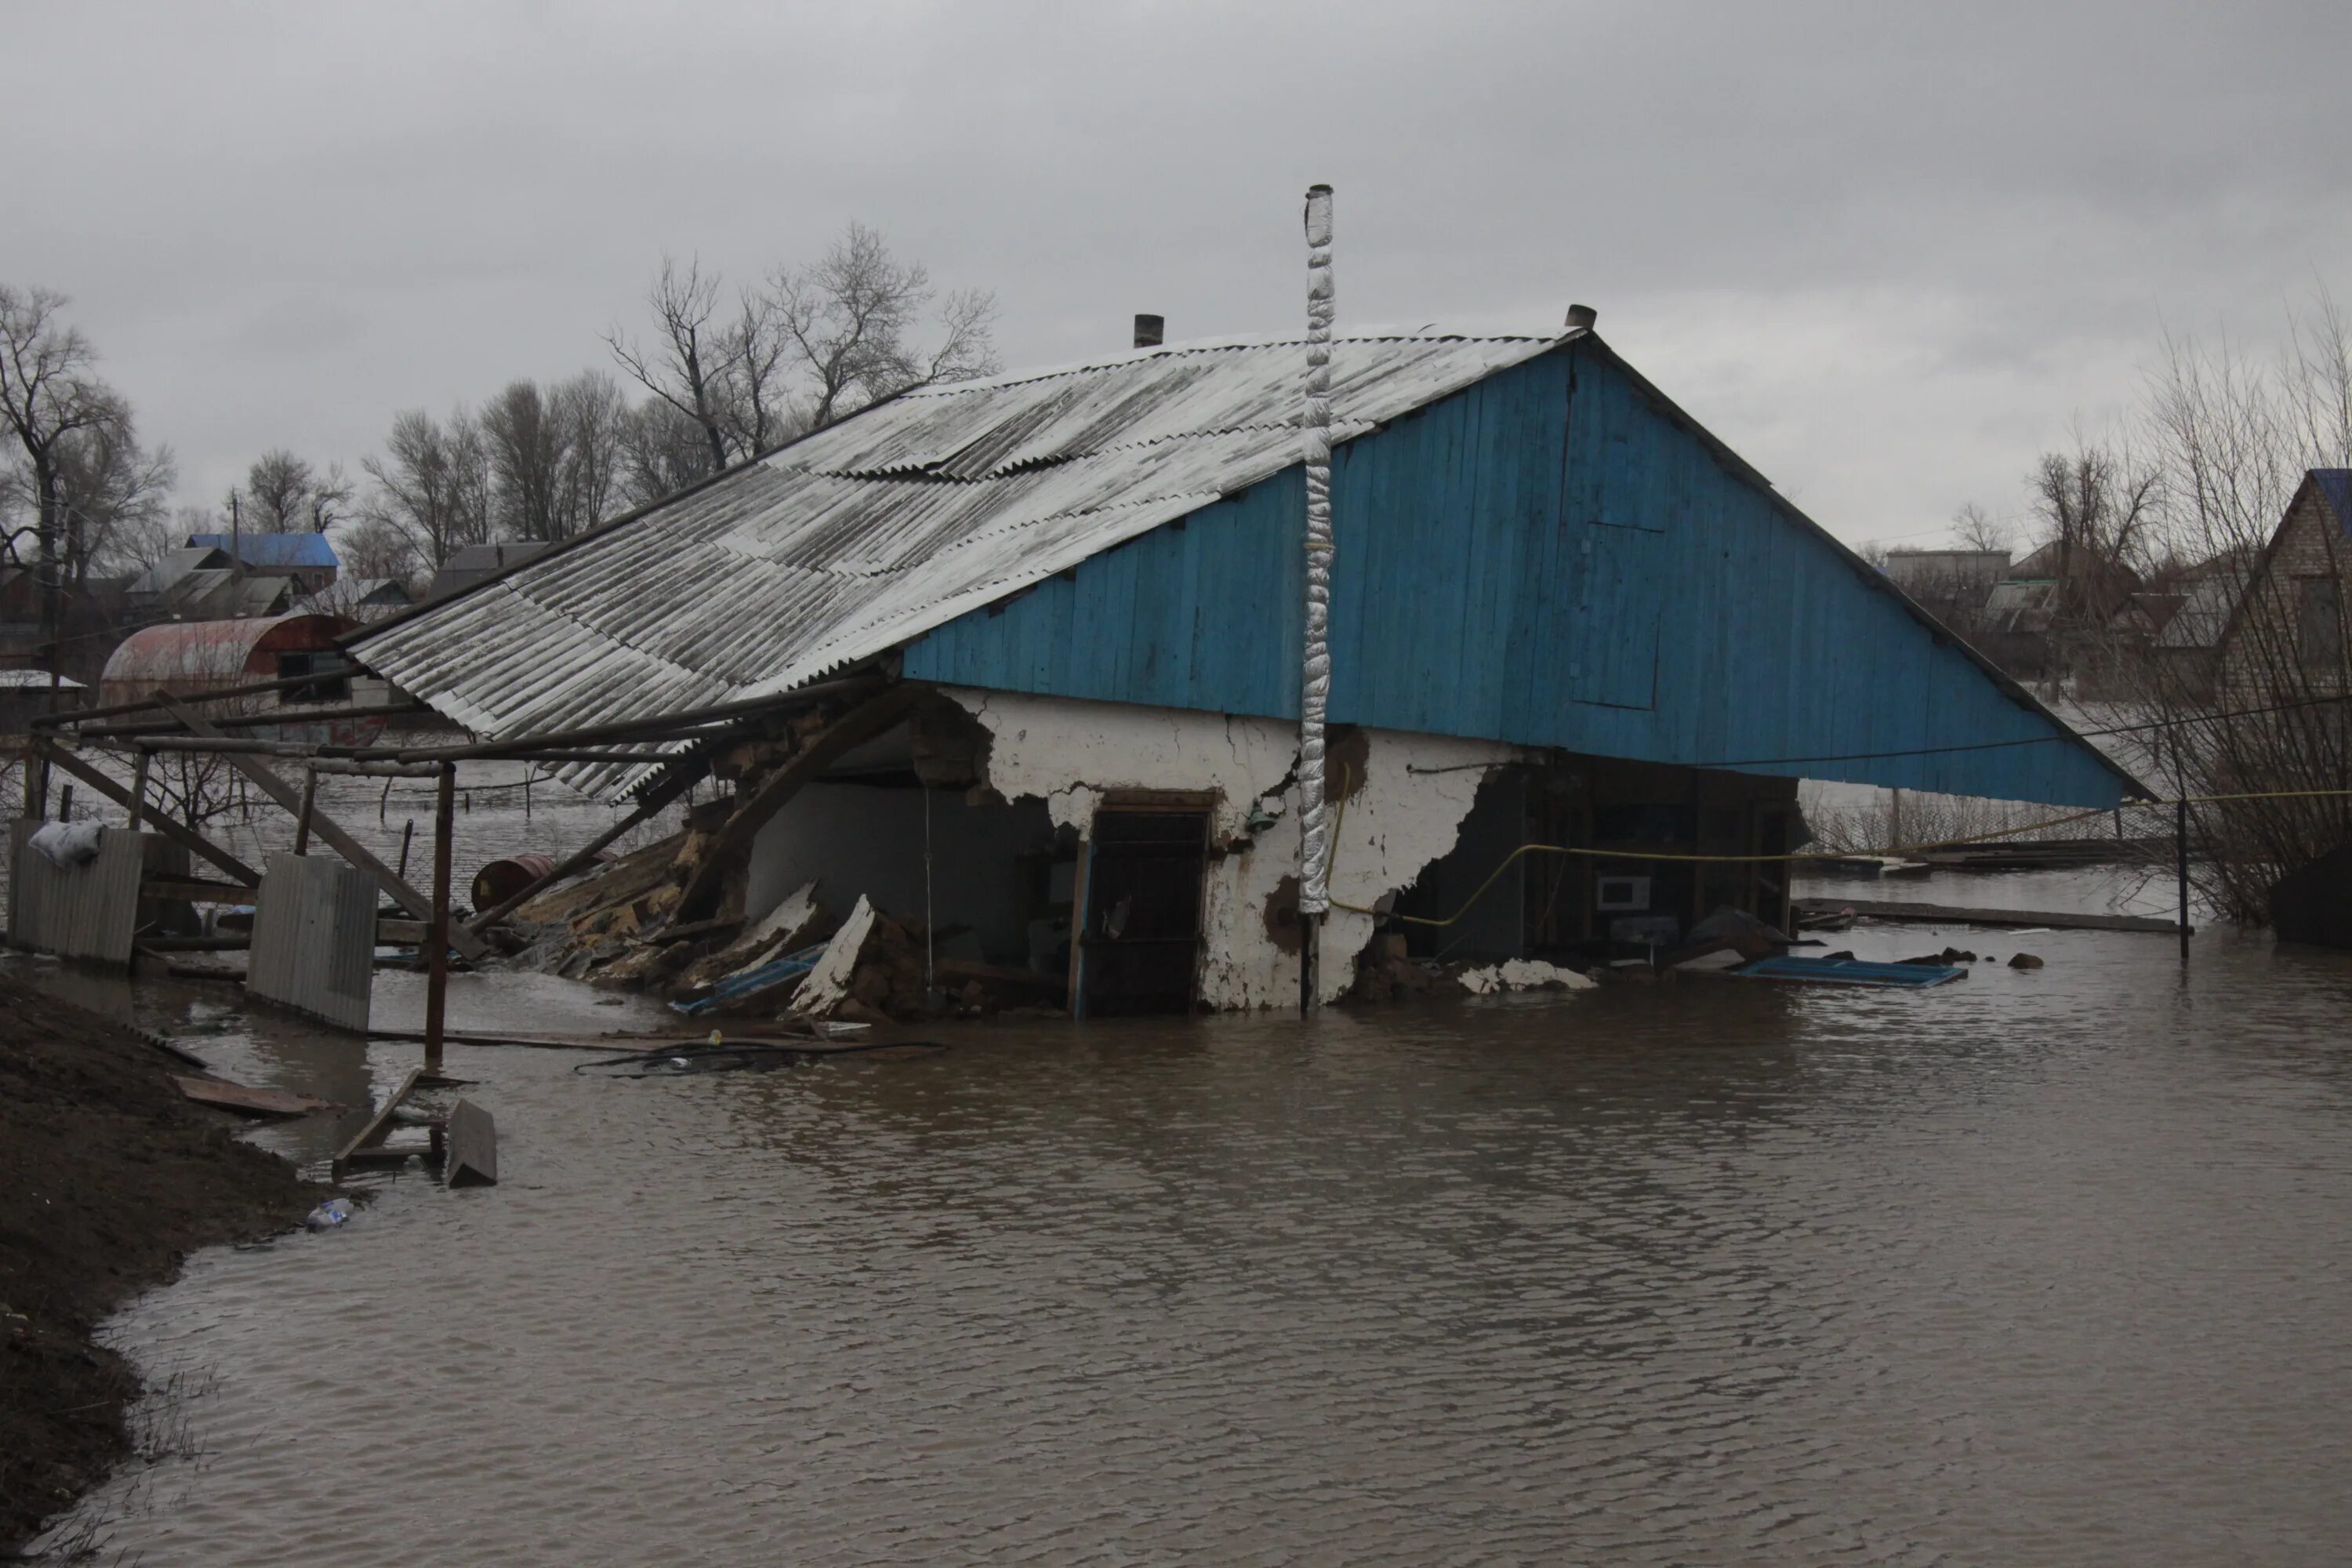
<point x="1877" y="580"/>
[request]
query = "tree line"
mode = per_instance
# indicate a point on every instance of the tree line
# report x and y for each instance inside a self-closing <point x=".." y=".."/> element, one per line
<point x="714" y="376"/>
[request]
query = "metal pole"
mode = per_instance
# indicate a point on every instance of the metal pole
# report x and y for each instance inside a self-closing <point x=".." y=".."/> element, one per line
<point x="1315" y="670"/>
<point x="2180" y="839"/>
<point x="437" y="972"/>
<point x="2181" y="866"/>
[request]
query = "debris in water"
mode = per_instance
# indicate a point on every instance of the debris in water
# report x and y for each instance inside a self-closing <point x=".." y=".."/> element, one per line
<point x="2025" y="961"/>
<point x="328" y="1215"/>
<point x="1523" y="975"/>
<point x="1848" y="971"/>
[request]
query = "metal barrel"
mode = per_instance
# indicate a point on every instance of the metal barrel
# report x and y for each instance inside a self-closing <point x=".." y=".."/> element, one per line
<point x="502" y="879"/>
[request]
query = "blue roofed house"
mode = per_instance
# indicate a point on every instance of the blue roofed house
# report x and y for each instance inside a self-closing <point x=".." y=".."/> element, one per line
<point x="305" y="558"/>
<point x="1563" y="613"/>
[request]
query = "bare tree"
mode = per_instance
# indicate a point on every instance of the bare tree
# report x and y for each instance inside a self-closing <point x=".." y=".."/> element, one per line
<point x="529" y="448"/>
<point x="285" y="494"/>
<point x="662" y="453"/>
<point x="1973" y="528"/>
<point x="116" y="495"/>
<point x="50" y="396"/>
<point x="376" y="546"/>
<point x="594" y="417"/>
<point x="851" y="323"/>
<point x="693" y="355"/>
<point x="814" y="344"/>
<point x="432" y="485"/>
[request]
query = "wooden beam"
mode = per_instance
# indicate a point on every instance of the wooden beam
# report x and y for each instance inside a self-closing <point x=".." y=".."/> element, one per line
<point x="853" y="728"/>
<point x="195" y="890"/>
<point x="378" y="1124"/>
<point x="187" y="837"/>
<point x="328" y="828"/>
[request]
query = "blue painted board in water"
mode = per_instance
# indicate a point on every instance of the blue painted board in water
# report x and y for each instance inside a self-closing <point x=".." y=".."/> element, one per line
<point x="1847" y="972"/>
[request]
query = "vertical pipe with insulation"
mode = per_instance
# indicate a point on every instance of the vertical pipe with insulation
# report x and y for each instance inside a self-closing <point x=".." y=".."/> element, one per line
<point x="1314" y="672"/>
<point x="437" y="930"/>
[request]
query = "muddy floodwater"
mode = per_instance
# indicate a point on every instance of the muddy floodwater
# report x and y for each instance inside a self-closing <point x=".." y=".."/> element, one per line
<point x="2042" y="1267"/>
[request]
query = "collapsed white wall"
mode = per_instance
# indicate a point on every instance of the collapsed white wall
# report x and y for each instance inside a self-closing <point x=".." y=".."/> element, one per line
<point x="855" y="839"/>
<point x="1070" y="754"/>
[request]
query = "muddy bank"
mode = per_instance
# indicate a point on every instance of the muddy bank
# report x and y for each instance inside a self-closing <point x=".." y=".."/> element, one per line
<point x="108" y="1177"/>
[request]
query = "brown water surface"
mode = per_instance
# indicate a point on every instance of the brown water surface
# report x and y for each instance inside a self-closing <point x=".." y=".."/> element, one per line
<point x="2041" y="1267"/>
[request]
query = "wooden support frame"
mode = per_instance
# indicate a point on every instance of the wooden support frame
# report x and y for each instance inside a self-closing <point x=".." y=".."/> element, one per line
<point x="179" y="833"/>
<point x="854" y="728"/>
<point x="341" y="842"/>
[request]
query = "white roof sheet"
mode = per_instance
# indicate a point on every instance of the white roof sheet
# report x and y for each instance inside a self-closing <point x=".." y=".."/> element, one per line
<point x="889" y="523"/>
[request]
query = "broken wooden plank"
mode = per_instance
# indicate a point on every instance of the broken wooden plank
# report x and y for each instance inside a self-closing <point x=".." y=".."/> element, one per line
<point x="380" y="1124"/>
<point x="247" y="1099"/>
<point x="325" y="826"/>
<point x="472" y="1141"/>
<point x="1943" y="914"/>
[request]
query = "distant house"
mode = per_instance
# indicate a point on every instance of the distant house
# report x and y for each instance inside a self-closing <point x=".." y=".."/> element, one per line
<point x="196" y="657"/>
<point x="25" y="694"/>
<point x="2287" y="632"/>
<point x="91" y="616"/>
<point x="208" y="593"/>
<point x="476" y="561"/>
<point x="360" y="599"/>
<point x="307" y="558"/>
<point x="1958" y="576"/>
<point x="2187" y="640"/>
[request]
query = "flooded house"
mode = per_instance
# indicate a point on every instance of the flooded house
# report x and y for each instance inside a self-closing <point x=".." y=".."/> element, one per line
<point x="2284" y="636"/>
<point x="1019" y="659"/>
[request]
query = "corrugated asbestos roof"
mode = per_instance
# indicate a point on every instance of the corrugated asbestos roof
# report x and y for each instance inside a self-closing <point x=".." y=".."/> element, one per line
<point x="885" y="525"/>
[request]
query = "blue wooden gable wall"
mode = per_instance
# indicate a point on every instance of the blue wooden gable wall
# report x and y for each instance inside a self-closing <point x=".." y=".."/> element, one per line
<point x="1550" y="558"/>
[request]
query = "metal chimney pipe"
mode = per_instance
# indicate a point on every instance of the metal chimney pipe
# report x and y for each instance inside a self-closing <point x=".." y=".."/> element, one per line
<point x="1149" y="330"/>
<point x="1583" y="316"/>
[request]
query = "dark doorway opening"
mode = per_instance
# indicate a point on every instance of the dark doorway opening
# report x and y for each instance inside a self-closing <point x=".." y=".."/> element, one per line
<point x="1141" y="946"/>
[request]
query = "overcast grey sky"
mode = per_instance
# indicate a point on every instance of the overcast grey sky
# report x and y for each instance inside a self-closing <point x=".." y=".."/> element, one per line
<point x="1886" y="251"/>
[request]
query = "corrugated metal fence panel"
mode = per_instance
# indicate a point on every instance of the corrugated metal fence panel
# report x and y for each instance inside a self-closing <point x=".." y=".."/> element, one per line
<point x="314" y="938"/>
<point x="1546" y="563"/>
<point x="89" y="911"/>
